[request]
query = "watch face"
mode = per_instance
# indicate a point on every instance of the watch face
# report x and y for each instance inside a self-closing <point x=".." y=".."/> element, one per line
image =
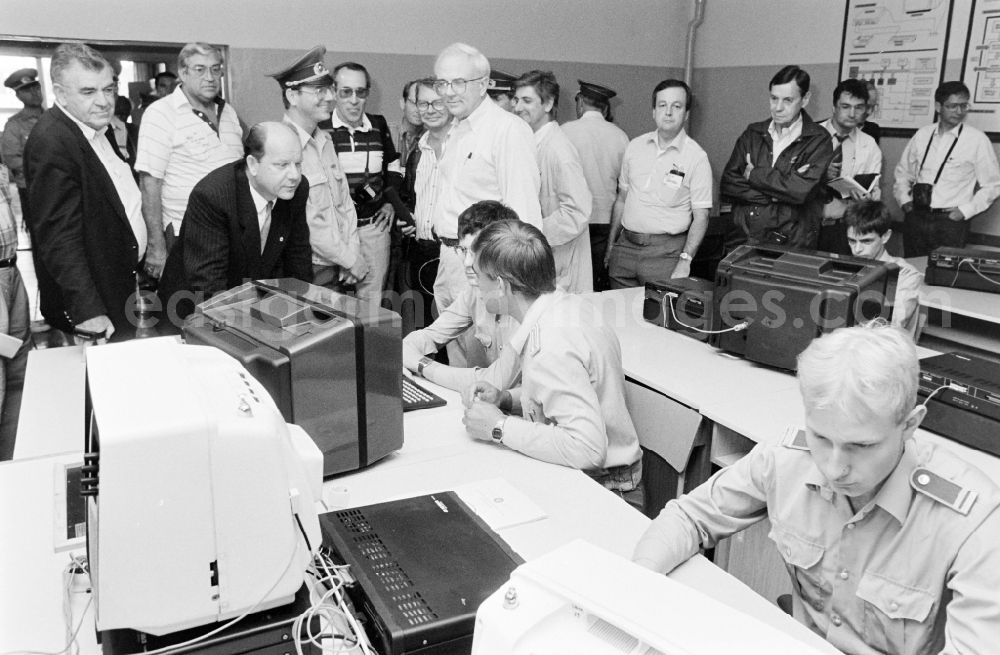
<point x="497" y="434"/>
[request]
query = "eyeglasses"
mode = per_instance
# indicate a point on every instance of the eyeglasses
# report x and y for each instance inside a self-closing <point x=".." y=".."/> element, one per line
<point x="436" y="104"/>
<point x="199" y="71"/>
<point x="458" y="86"/>
<point x="317" y="90"/>
<point x="952" y="106"/>
<point x="347" y="92"/>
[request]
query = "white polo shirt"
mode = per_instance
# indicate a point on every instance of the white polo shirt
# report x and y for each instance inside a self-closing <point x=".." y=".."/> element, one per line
<point x="180" y="148"/>
<point x="664" y="183"/>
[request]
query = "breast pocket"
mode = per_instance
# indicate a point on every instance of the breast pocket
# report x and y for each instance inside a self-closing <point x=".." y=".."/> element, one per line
<point x="804" y="560"/>
<point x="958" y="171"/>
<point x="893" y="612"/>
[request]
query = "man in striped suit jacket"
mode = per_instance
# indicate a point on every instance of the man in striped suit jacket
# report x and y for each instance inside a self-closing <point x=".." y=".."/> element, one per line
<point x="244" y="220"/>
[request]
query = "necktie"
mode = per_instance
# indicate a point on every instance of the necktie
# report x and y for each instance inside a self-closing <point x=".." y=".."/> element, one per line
<point x="266" y="226"/>
<point x="838" y="152"/>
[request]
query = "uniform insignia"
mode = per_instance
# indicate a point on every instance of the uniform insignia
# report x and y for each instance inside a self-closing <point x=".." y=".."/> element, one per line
<point x="943" y="491"/>
<point x="319" y="68"/>
<point x="535" y="340"/>
<point x="795" y="437"/>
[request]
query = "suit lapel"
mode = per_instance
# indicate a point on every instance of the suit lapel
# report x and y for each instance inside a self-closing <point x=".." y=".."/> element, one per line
<point x="94" y="164"/>
<point x="246" y="211"/>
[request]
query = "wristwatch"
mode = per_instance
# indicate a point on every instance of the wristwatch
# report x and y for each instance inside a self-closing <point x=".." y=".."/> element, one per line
<point x="686" y="257"/>
<point x="422" y="364"/>
<point x="497" y="433"/>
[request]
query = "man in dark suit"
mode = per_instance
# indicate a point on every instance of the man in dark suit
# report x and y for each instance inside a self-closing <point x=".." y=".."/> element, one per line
<point x="86" y="207"/>
<point x="244" y="220"/>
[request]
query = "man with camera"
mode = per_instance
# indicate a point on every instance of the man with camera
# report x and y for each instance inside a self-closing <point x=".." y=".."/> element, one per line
<point x="369" y="158"/>
<point x="938" y="172"/>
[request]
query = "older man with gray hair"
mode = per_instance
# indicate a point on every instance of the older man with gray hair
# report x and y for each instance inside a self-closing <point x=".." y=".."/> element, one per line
<point x="183" y="137"/>
<point x="489" y="155"/>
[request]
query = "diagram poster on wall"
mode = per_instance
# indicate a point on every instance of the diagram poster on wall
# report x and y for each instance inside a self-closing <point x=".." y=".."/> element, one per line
<point x="981" y="68"/>
<point x="901" y="46"/>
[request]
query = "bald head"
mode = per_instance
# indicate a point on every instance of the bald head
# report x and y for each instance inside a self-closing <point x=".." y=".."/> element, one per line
<point x="274" y="160"/>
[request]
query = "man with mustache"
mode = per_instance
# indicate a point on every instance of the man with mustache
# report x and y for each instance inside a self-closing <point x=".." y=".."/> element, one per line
<point x="183" y="138"/>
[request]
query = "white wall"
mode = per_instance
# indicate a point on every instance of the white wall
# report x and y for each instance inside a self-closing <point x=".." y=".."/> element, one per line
<point x="633" y="32"/>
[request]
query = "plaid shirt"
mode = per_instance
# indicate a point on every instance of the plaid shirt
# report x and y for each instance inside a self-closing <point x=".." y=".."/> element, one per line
<point x="8" y="226"/>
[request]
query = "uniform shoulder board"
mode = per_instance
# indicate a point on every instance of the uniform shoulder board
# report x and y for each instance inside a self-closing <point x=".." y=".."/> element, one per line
<point x="795" y="437"/>
<point x="944" y="491"/>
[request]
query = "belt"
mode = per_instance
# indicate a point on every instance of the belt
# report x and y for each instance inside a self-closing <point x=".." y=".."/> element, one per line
<point x="7" y="263"/>
<point x="366" y="221"/>
<point x="451" y="243"/>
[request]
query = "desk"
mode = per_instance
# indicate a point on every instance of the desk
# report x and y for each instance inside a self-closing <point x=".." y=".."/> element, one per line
<point x="959" y="316"/>
<point x="437" y="454"/>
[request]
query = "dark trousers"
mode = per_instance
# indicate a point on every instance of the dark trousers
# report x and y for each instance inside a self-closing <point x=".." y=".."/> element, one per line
<point x="598" y="246"/>
<point x="640" y="258"/>
<point x="927" y="229"/>
<point x="413" y="280"/>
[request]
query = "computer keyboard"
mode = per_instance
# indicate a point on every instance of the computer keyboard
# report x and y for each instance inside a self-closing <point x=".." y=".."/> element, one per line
<point x="416" y="397"/>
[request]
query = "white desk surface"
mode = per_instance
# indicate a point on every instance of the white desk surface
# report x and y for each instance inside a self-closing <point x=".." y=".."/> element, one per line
<point x="684" y="369"/>
<point x="438" y="455"/>
<point x="52" y="404"/>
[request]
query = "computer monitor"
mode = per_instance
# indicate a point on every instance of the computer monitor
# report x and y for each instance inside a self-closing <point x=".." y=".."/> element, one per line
<point x="200" y="498"/>
<point x="770" y="302"/>
<point x="331" y="362"/>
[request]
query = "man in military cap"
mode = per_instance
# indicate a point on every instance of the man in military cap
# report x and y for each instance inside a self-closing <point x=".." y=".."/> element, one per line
<point x="501" y="89"/>
<point x="890" y="539"/>
<point x="24" y="83"/>
<point x="601" y="145"/>
<point x="308" y="95"/>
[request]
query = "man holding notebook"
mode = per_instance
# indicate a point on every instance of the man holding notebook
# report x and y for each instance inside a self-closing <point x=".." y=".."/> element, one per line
<point x="856" y="157"/>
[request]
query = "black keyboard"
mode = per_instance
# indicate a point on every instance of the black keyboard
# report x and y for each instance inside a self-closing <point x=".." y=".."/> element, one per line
<point x="416" y="397"/>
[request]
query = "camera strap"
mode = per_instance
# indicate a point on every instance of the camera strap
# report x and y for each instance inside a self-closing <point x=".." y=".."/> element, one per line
<point x="947" y="155"/>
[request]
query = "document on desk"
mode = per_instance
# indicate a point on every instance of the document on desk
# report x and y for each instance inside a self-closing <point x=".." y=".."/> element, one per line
<point x="499" y="503"/>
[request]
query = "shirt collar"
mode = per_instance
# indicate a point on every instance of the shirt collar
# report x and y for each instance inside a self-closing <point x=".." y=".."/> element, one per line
<point x="793" y="129"/>
<point x="677" y="143"/>
<point x="544" y="131"/>
<point x="592" y="114"/>
<point x="828" y="124"/>
<point x="894" y="496"/>
<point x="535" y="312"/>
<point x="366" y="125"/>
<point x="304" y="136"/>
<point x="953" y="131"/>
<point x="481" y="113"/>
<point x="180" y="100"/>
<point x="258" y="200"/>
<point x="89" y="133"/>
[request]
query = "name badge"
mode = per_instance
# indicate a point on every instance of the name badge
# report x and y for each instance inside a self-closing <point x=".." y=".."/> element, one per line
<point x="674" y="178"/>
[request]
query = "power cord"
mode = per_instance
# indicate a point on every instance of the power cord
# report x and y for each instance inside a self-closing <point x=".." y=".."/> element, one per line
<point x="670" y="296"/>
<point x="975" y="269"/>
<point x="77" y="566"/>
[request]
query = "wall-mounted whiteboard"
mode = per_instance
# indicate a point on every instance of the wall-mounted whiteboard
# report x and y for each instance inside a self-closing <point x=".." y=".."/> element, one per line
<point x="901" y="46"/>
<point x="981" y="67"/>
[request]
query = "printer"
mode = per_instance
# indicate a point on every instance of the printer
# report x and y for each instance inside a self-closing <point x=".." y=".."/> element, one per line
<point x="332" y="363"/>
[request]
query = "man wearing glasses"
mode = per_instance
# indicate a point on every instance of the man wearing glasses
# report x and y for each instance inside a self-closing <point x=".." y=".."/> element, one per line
<point x="490" y="155"/>
<point x="369" y="158"/>
<point x="183" y="138"/>
<point x="307" y="93"/>
<point x="937" y="175"/>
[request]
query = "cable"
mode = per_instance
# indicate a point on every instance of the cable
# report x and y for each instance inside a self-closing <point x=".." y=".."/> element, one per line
<point x="420" y="279"/>
<point x="934" y="393"/>
<point x="77" y="565"/>
<point x="200" y="638"/>
<point x="978" y="272"/>
<point x="663" y="302"/>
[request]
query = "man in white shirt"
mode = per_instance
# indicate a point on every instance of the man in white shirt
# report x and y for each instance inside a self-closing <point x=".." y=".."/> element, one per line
<point x="869" y="227"/>
<point x="938" y="173"/>
<point x="490" y="155"/>
<point x="86" y="208"/>
<point x="307" y="93"/>
<point x="183" y="138"/>
<point x="570" y="408"/>
<point x="601" y="145"/>
<point x="664" y="196"/>
<point x="854" y="153"/>
<point x="565" y="199"/>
